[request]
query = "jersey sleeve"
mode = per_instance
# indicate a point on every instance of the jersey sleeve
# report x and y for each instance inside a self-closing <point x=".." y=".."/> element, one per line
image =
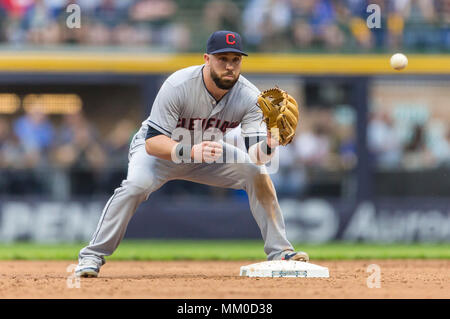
<point x="165" y="110"/>
<point x="252" y="123"/>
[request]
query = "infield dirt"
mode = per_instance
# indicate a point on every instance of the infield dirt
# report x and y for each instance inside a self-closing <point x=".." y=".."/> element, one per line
<point x="220" y="279"/>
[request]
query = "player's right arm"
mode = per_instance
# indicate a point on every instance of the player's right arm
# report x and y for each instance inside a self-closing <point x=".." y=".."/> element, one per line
<point x="164" y="147"/>
<point x="160" y="146"/>
<point x="162" y="121"/>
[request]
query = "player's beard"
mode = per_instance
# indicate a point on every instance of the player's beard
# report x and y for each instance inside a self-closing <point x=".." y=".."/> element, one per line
<point x="223" y="84"/>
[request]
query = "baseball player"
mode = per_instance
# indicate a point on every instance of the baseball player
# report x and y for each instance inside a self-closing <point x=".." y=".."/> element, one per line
<point x="209" y="98"/>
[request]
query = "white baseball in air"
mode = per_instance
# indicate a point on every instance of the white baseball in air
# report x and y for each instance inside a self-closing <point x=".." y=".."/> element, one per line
<point x="399" y="61"/>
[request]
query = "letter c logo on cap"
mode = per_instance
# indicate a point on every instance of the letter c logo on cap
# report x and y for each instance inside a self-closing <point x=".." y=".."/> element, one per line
<point x="228" y="36"/>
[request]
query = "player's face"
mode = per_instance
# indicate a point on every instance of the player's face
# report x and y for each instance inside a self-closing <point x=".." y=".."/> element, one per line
<point x="225" y="69"/>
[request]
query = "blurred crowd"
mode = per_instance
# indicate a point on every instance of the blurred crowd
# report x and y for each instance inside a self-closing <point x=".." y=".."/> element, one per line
<point x="325" y="149"/>
<point x="343" y="24"/>
<point x="101" y="23"/>
<point x="267" y="25"/>
<point x="322" y="155"/>
<point x="417" y="145"/>
<point x="40" y="156"/>
<point x="65" y="155"/>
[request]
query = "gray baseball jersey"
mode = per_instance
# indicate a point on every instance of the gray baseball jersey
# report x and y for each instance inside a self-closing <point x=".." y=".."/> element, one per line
<point x="183" y="101"/>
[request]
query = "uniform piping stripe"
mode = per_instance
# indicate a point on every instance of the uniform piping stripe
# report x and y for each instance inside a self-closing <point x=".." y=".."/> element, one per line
<point x="159" y="127"/>
<point x="103" y="217"/>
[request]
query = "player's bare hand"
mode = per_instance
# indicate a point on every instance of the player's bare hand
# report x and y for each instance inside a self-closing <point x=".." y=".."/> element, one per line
<point x="207" y="152"/>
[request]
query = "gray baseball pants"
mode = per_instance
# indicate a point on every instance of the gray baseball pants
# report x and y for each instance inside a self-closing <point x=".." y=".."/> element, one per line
<point x="147" y="173"/>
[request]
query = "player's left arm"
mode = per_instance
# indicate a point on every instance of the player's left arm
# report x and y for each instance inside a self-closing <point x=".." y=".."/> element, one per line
<point x="260" y="145"/>
<point x="262" y="152"/>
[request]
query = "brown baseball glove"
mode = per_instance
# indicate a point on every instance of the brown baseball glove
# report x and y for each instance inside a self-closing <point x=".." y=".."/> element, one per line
<point x="280" y="112"/>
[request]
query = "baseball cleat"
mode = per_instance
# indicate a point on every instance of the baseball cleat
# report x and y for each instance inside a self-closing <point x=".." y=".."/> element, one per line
<point x="87" y="268"/>
<point x="296" y="256"/>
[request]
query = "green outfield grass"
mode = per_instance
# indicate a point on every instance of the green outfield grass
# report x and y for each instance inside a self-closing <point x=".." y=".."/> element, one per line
<point x="223" y="250"/>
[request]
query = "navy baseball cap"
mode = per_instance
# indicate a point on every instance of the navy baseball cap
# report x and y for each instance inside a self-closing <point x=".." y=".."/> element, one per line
<point x="224" y="41"/>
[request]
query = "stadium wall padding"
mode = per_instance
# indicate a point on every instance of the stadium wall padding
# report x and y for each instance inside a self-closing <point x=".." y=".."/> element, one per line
<point x="312" y="220"/>
<point x="146" y="63"/>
